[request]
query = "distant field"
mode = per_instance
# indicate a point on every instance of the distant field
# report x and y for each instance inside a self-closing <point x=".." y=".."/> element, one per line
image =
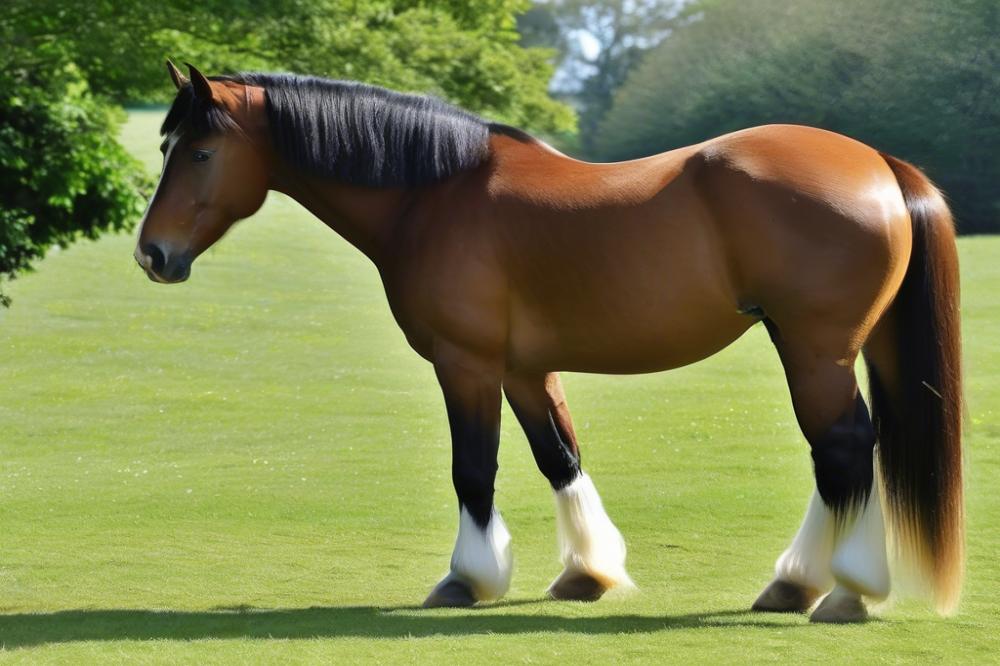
<point x="253" y="466"/>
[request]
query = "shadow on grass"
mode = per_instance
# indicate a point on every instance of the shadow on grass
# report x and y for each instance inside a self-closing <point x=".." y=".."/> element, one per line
<point x="31" y="629"/>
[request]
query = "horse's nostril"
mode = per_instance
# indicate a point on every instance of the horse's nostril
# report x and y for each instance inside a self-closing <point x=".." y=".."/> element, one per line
<point x="157" y="260"/>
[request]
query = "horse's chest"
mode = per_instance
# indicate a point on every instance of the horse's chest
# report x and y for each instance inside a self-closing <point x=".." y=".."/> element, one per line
<point x="465" y="307"/>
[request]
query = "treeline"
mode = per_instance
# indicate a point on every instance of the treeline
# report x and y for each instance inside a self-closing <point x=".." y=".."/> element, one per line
<point x="917" y="78"/>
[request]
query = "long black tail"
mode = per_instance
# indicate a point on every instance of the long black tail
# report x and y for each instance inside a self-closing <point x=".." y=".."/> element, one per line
<point x="918" y="413"/>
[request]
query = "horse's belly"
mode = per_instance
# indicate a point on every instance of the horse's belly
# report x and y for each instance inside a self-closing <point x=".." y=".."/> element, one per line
<point x="641" y="296"/>
<point x="622" y="340"/>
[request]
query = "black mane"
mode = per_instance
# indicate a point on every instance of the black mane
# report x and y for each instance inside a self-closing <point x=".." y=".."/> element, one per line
<point x="353" y="132"/>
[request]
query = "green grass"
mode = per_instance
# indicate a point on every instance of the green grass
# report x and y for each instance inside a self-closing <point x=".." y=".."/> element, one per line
<point x="254" y="467"/>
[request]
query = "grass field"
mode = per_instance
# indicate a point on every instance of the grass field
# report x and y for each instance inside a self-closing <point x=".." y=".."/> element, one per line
<point x="253" y="466"/>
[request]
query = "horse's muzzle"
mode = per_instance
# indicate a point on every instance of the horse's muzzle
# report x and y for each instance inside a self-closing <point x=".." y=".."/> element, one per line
<point x="162" y="265"/>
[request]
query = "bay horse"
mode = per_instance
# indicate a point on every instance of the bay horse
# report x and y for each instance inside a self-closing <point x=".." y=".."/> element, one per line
<point x="505" y="261"/>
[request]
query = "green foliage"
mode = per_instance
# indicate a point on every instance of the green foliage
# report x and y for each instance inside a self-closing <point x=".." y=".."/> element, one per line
<point x="916" y="78"/>
<point x="622" y="31"/>
<point x="62" y="174"/>
<point x="465" y="52"/>
<point x="469" y="57"/>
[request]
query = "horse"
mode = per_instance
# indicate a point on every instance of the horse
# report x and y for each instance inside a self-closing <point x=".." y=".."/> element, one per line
<point x="505" y="262"/>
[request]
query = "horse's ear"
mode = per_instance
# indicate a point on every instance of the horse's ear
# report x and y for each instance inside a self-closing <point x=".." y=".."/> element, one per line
<point x="202" y="88"/>
<point x="175" y="75"/>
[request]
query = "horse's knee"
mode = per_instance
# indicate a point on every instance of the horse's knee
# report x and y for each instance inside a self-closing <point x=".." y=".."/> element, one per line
<point x="842" y="459"/>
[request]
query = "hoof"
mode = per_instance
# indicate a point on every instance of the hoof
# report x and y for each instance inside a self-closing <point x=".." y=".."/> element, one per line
<point x="840" y="607"/>
<point x="784" y="597"/>
<point x="450" y="593"/>
<point x="577" y="586"/>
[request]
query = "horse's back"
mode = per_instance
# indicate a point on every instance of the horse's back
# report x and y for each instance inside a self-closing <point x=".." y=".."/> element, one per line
<point x="831" y="169"/>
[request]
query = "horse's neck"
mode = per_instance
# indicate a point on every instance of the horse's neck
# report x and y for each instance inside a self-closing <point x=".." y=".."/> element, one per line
<point x="362" y="215"/>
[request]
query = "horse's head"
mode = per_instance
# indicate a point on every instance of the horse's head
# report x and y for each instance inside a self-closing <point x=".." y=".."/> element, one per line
<point x="216" y="166"/>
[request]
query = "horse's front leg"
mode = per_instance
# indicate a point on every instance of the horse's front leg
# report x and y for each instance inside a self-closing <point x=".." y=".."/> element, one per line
<point x="592" y="549"/>
<point x="481" y="561"/>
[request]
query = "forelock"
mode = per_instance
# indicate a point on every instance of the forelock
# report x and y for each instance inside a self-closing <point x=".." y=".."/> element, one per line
<point x="196" y="115"/>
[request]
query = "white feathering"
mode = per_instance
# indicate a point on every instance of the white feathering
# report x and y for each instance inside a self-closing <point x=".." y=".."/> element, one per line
<point x="807" y="560"/>
<point x="482" y="557"/>
<point x="588" y="541"/>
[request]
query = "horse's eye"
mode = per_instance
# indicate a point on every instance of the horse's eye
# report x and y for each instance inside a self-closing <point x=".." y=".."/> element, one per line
<point x="202" y="155"/>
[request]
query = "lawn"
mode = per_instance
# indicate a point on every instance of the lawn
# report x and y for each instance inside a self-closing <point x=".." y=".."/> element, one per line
<point x="253" y="466"/>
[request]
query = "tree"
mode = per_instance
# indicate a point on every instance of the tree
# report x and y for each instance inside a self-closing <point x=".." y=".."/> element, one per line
<point x="465" y="52"/>
<point x="916" y="78"/>
<point x="62" y="174"/>
<point x="598" y="43"/>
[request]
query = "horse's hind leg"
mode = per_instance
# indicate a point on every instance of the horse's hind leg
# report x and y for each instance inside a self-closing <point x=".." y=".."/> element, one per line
<point x="841" y="542"/>
<point x="592" y="549"/>
<point x="802" y="573"/>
